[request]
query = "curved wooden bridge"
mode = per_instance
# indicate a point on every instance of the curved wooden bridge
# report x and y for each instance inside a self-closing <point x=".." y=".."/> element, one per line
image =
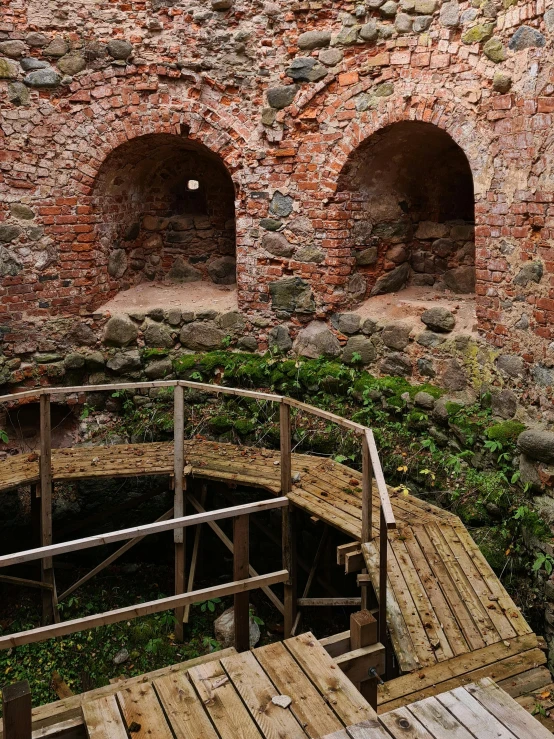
<point x="450" y="619"/>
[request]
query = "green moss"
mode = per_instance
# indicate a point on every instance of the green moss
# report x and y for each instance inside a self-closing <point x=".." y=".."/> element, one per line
<point x="480" y="32"/>
<point x="453" y="408"/>
<point x="220" y="424"/>
<point x="149" y="353"/>
<point x="184" y="363"/>
<point x="244" y="427"/>
<point x="505" y="431"/>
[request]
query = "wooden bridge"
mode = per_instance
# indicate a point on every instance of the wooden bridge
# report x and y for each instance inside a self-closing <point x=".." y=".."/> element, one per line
<point x="448" y="617"/>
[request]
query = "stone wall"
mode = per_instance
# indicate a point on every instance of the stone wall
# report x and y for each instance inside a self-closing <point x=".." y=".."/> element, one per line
<point x="280" y="101"/>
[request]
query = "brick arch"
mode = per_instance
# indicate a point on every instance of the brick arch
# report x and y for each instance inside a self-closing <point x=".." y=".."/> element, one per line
<point x="464" y="130"/>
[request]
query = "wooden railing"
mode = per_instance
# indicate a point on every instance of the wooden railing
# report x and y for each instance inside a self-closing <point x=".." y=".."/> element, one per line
<point x="371" y="470"/>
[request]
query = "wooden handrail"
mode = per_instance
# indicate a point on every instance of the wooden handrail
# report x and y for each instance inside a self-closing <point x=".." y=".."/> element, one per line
<point x="384" y="498"/>
<point x="138" y="531"/>
<point x="142" y="609"/>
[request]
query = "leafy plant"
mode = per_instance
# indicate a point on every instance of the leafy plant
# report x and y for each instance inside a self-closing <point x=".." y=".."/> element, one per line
<point x="208" y="605"/>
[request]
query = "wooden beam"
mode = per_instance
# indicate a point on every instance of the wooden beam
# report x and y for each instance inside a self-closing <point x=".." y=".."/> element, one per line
<point x="229" y="544"/>
<point x="327" y="415"/>
<point x="286" y="456"/>
<point x="45" y="467"/>
<point x="23" y="582"/>
<point x="357" y="663"/>
<point x="109" y="560"/>
<point x="16" y="711"/>
<point x="240" y="572"/>
<point x="142" y="609"/>
<point x="195" y="550"/>
<point x="344" y="549"/>
<point x="179" y="505"/>
<point x="138" y="531"/>
<point x="337" y="643"/>
<point x="353" y="562"/>
<point x="324" y="602"/>
<point x="288" y="524"/>
<point x="363" y="629"/>
<point x="367" y="488"/>
<point x="386" y="506"/>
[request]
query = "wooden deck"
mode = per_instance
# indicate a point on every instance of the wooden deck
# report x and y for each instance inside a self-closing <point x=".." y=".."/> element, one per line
<point x="451" y="620"/>
<point x="287" y="690"/>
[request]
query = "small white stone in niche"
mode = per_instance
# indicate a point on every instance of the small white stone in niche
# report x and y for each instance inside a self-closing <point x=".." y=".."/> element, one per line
<point x="281" y="700"/>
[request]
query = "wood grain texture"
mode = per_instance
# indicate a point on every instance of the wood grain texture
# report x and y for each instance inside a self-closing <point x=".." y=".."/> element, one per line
<point x="103" y="720"/>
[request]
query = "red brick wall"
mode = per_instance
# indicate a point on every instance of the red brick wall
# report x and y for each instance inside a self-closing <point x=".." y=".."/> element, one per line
<point x="205" y="77"/>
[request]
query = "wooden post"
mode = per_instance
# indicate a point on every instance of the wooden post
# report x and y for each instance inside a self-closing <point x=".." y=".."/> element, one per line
<point x="286" y="460"/>
<point x="35" y="519"/>
<point x="179" y="502"/>
<point x="241" y="572"/>
<point x="289" y="564"/>
<point x="367" y="507"/>
<point x="16" y="709"/>
<point x="363" y="633"/>
<point x="47" y="573"/>
<point x="383" y="543"/>
<point x="195" y="551"/>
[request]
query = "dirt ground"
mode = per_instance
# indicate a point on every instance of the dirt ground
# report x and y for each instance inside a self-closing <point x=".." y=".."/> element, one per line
<point x="193" y="296"/>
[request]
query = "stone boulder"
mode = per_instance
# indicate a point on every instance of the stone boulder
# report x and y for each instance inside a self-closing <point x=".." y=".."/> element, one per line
<point x="117" y="263"/>
<point x="316" y="340"/>
<point x="157" y="334"/>
<point x="453" y="376"/>
<point x="223" y="270"/>
<point x="362" y="346"/>
<point x="120" y="331"/>
<point x="392" y="281"/>
<point x="281" y="97"/>
<point x="538" y="445"/>
<point x="201" y="336"/>
<point x="119" y="49"/>
<point x="43" y="78"/>
<point x="526" y="38"/>
<point x="367" y="257"/>
<point x="224" y="629"/>
<point x="439" y="319"/>
<point x="504" y="404"/>
<point x="10" y="266"/>
<point x="182" y="271"/>
<point x="530" y="272"/>
<point x="306" y="69"/>
<point x="279" y="338"/>
<point x="310" y="253"/>
<point x="424" y="400"/>
<point x="356" y="287"/>
<point x="396" y="364"/>
<point x="292" y="294"/>
<point x="125" y="362"/>
<point x="314" y="39"/>
<point x="72" y="63"/>
<point x="511" y="364"/>
<point x="396" y="336"/>
<point x="232" y="322"/>
<point x="159" y="369"/>
<point x="460" y="279"/>
<point x="281" y="205"/>
<point x="347" y="323"/>
<point x="276" y="244"/>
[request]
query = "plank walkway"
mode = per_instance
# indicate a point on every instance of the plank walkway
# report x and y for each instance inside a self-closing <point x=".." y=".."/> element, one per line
<point x="451" y="620"/>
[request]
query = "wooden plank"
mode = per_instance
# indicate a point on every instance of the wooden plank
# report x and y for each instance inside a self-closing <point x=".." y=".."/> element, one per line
<point x="357" y="662"/>
<point x="479" y="583"/>
<point x="440" y="604"/>
<point x="310" y="709"/>
<point x="241" y="611"/>
<point x="344" y="549"/>
<point x="328" y="678"/>
<point x="471" y="714"/>
<point x="179" y="503"/>
<point x="229" y="544"/>
<point x="437" y="720"/>
<point x="527" y="682"/>
<point x="23" y="582"/>
<point x="458" y="606"/>
<point x="45" y="465"/>
<point x="103" y="720"/>
<point x="69" y="709"/>
<point x="327" y="415"/>
<point x="337" y="643"/>
<point x="330" y="602"/>
<point x="463" y="585"/>
<point x="507" y="605"/>
<point x="136" y="531"/>
<point x="142" y="712"/>
<point x="369" y="729"/>
<point x="367" y="494"/>
<point x="499" y="670"/>
<point x="507" y="711"/>
<point x="109" y="560"/>
<point x="386" y="507"/>
<point x="403" y="725"/>
<point x="143" y="609"/>
<point x="256" y="690"/>
<point x="288" y="526"/>
<point x="400" y="636"/>
<point x="183" y="708"/>
<point x="195" y="550"/>
<point x="429" y="619"/>
<point x="222" y="702"/>
<point x="16" y="710"/>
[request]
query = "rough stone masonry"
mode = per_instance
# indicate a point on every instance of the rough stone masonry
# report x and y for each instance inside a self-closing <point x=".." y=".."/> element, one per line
<point x="317" y="153"/>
